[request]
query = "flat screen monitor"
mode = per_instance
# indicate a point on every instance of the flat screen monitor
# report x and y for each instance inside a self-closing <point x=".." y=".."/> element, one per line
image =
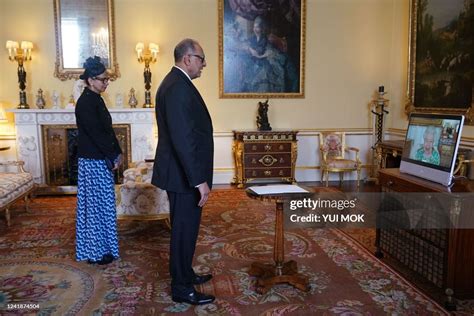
<point x="431" y="146"/>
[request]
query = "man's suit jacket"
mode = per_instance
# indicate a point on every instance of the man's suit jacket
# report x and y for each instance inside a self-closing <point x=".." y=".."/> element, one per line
<point x="185" y="153"/>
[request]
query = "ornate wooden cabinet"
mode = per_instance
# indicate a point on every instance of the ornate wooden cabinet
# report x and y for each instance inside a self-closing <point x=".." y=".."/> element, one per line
<point x="443" y="257"/>
<point x="264" y="155"/>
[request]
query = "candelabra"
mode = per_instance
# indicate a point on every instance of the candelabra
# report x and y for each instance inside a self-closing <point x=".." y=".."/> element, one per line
<point x="379" y="111"/>
<point x="378" y="105"/>
<point x="147" y="56"/>
<point x="20" y="53"/>
<point x="100" y="44"/>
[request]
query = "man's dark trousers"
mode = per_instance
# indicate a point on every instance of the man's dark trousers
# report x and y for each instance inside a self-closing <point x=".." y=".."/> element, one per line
<point x="185" y="216"/>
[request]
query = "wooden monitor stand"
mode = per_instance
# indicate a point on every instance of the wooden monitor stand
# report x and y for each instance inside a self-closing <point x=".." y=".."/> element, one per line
<point x="444" y="257"/>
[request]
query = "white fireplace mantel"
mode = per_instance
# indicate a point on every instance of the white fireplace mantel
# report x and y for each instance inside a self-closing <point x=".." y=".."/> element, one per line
<point x="29" y="138"/>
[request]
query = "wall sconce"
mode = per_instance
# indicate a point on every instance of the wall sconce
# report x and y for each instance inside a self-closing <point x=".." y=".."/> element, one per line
<point x="20" y="53"/>
<point x="147" y="56"/>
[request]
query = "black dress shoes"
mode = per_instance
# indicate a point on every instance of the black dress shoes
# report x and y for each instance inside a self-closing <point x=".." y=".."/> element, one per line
<point x="193" y="298"/>
<point x="200" y="279"/>
<point x="106" y="259"/>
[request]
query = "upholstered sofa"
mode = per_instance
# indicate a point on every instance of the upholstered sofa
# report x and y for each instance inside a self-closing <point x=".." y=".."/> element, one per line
<point x="14" y="185"/>
<point x="138" y="199"/>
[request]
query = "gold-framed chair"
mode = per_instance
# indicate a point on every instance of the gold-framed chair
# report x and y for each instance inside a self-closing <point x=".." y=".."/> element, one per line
<point x="336" y="156"/>
<point x="138" y="199"/>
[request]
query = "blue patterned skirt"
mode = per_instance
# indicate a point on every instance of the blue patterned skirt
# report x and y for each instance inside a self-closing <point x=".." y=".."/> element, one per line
<point x="96" y="216"/>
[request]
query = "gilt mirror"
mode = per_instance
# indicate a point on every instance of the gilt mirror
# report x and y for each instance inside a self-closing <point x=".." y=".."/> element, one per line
<point x="84" y="28"/>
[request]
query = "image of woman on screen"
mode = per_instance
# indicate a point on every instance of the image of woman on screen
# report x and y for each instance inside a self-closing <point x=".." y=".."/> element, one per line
<point x="428" y="153"/>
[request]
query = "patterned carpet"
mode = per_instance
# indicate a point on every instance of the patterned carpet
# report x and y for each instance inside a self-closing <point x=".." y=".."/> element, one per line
<point x="37" y="267"/>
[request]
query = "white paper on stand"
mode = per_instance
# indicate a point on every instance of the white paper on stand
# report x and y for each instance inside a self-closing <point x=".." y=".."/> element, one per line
<point x="277" y="189"/>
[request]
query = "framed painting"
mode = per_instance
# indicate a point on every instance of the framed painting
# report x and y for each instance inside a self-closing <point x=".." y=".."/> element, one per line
<point x="261" y="48"/>
<point x="441" y="65"/>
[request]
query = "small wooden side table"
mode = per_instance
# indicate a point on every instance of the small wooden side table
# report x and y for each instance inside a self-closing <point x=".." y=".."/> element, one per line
<point x="269" y="274"/>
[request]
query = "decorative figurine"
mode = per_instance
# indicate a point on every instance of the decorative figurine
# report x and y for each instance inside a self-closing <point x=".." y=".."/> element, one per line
<point x="119" y="100"/>
<point x="71" y="103"/>
<point x="132" y="101"/>
<point x="55" y="98"/>
<point x="40" y="103"/>
<point x="77" y="89"/>
<point x="262" y="118"/>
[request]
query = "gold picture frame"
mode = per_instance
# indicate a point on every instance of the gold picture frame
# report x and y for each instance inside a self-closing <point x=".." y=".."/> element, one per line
<point x="262" y="49"/>
<point x="440" y="69"/>
<point x="84" y="22"/>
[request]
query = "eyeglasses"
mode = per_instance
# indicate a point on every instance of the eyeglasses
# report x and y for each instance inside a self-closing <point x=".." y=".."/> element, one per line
<point x="202" y="58"/>
<point x="103" y="80"/>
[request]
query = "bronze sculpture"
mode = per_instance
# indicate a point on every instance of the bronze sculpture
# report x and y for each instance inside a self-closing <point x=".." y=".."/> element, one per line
<point x="262" y="118"/>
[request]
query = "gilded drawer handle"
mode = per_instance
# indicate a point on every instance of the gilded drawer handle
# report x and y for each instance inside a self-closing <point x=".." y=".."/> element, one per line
<point x="267" y="173"/>
<point x="389" y="183"/>
<point x="268" y="147"/>
<point x="267" y="160"/>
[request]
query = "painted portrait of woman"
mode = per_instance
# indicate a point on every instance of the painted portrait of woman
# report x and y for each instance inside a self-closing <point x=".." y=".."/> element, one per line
<point x="261" y="48"/>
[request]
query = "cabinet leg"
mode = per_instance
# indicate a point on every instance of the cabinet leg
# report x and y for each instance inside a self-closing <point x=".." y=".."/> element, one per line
<point x="378" y="252"/>
<point x="450" y="303"/>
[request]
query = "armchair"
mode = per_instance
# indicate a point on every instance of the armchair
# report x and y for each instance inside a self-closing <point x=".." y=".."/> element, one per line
<point x="138" y="199"/>
<point x="333" y="150"/>
<point x="14" y="186"/>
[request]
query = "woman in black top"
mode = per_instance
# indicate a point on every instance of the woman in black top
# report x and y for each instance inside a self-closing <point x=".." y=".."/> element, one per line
<point x="99" y="155"/>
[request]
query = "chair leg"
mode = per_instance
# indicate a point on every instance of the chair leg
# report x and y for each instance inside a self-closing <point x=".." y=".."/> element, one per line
<point x="341" y="178"/>
<point x="7" y="216"/>
<point x="27" y="203"/>
<point x="326" y="174"/>
<point x="168" y="223"/>
<point x="358" y="177"/>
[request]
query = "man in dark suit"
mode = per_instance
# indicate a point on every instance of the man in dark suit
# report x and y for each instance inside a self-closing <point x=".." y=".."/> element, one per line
<point x="184" y="165"/>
